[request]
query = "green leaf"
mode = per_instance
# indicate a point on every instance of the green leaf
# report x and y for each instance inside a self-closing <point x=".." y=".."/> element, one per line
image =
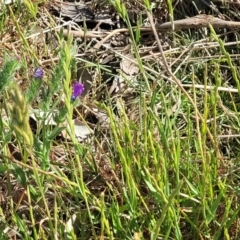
<point x="3" y="168"/>
<point x="19" y="174"/>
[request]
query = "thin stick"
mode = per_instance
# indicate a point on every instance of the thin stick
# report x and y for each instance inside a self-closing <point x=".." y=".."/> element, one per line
<point x="178" y="83"/>
<point x="198" y="21"/>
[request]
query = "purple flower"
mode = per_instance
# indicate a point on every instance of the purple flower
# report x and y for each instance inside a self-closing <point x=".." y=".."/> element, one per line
<point x="78" y="88"/>
<point x="38" y="73"/>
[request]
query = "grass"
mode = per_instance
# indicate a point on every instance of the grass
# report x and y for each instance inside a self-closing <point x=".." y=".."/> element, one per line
<point x="165" y="164"/>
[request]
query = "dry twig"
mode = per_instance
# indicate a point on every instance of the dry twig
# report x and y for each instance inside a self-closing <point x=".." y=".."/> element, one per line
<point x="178" y="83"/>
<point x="198" y="21"/>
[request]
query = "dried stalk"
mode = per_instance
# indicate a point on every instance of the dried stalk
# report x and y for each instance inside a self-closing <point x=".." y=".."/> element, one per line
<point x="178" y="83"/>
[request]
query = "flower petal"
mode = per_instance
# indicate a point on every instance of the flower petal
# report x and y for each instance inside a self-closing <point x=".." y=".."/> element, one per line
<point x="38" y="73"/>
<point x="78" y="88"/>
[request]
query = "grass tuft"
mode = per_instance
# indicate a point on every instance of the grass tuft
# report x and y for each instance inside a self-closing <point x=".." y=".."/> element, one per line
<point x="150" y="148"/>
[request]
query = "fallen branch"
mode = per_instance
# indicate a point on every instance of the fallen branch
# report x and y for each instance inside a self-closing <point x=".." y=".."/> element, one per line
<point x="198" y="21"/>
